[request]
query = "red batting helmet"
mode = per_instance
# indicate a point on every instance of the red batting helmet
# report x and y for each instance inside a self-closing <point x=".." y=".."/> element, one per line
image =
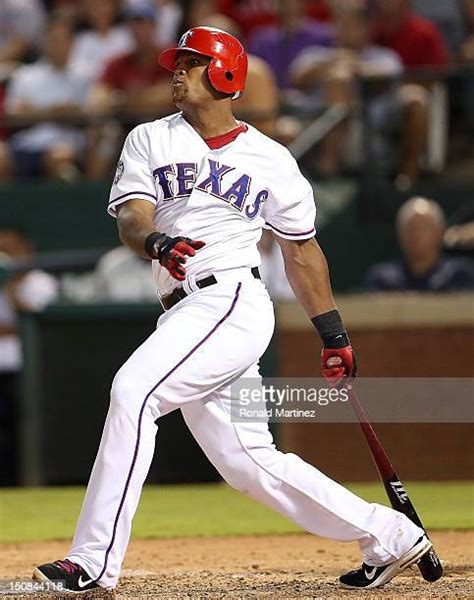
<point x="228" y="68"/>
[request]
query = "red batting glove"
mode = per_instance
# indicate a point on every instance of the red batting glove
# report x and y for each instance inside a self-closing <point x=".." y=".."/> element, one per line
<point x="173" y="253"/>
<point x="338" y="363"/>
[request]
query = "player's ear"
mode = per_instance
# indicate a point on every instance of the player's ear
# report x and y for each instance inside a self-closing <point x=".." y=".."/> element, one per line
<point x="216" y="94"/>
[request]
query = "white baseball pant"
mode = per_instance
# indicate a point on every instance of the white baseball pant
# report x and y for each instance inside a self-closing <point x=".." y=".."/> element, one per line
<point x="200" y="347"/>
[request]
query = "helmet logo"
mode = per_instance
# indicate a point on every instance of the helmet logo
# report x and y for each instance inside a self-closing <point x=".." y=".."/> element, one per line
<point x="184" y="39"/>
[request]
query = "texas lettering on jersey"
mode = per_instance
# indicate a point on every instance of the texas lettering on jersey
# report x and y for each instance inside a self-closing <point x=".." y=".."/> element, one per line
<point x="178" y="180"/>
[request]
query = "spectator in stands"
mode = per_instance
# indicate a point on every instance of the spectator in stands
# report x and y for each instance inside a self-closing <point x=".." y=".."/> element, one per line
<point x="257" y="108"/>
<point x="102" y="41"/>
<point x="448" y="18"/>
<point x="42" y="93"/>
<point x="200" y="12"/>
<point x="119" y="276"/>
<point x="416" y="40"/>
<point x="331" y="76"/>
<point x="320" y="10"/>
<point x="71" y="7"/>
<point x="467" y="56"/>
<point x="249" y="14"/>
<point x="122" y="276"/>
<point x="467" y="50"/>
<point x="459" y="236"/>
<point x="6" y="166"/>
<point x="420" y="229"/>
<point x="21" y="27"/>
<point x="168" y="17"/>
<point x="280" y="44"/>
<point x="133" y="83"/>
<point x="30" y="291"/>
<point x="420" y="46"/>
<point x="253" y="14"/>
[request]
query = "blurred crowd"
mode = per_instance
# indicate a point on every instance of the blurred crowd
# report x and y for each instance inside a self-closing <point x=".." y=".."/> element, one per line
<point x="76" y="75"/>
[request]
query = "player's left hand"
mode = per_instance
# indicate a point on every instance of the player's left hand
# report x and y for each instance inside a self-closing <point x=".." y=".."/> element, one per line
<point x="338" y="364"/>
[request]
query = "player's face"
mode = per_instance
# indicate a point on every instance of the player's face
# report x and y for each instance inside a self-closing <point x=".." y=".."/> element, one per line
<point x="190" y="82"/>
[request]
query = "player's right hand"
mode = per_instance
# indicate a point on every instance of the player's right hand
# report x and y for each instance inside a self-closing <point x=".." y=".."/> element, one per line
<point x="338" y="364"/>
<point x="172" y="253"/>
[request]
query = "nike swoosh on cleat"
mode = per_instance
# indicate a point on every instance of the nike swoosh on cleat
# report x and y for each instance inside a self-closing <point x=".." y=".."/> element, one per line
<point x="370" y="575"/>
<point x="82" y="583"/>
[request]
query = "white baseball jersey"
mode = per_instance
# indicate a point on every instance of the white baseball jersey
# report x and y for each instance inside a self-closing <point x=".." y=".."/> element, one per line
<point x="222" y="196"/>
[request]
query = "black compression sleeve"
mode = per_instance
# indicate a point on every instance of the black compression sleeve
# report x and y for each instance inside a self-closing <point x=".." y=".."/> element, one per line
<point x="331" y="329"/>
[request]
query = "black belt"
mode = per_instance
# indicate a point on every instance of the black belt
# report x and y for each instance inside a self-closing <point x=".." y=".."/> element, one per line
<point x="179" y="294"/>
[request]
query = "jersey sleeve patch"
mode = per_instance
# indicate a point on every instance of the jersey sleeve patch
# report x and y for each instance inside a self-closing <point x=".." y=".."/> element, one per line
<point x="134" y="177"/>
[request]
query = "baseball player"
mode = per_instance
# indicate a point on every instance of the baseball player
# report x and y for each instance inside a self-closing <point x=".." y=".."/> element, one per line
<point x="192" y="192"/>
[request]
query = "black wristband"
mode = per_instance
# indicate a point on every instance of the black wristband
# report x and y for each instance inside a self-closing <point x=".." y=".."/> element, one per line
<point x="330" y="327"/>
<point x="151" y="241"/>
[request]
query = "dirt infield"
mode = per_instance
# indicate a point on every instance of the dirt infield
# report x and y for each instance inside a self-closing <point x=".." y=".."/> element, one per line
<point x="291" y="566"/>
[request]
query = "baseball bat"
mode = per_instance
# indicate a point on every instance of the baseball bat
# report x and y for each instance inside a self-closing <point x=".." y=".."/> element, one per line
<point x="429" y="564"/>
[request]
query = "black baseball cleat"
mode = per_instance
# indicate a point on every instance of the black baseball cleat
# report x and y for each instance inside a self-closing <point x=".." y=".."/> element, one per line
<point x="65" y="576"/>
<point x="372" y="577"/>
